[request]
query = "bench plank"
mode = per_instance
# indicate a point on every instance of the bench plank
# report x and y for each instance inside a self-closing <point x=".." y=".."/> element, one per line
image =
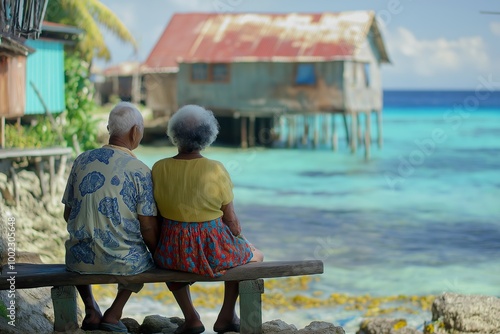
<point x="40" y="275"/>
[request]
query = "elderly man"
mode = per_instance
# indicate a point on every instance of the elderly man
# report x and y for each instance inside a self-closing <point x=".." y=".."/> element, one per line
<point x="111" y="215"/>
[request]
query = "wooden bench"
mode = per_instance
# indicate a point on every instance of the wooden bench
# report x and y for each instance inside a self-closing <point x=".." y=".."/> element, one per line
<point x="64" y="295"/>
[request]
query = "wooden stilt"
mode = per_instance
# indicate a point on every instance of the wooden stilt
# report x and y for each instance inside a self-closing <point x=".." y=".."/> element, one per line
<point x="346" y="126"/>
<point x="282" y="122"/>
<point x="368" y="135"/>
<point x="296" y="129"/>
<point x="76" y="144"/>
<point x="325" y="133"/>
<point x="354" y="127"/>
<point x="61" y="169"/>
<point x="379" y="128"/>
<point x="316" y="131"/>
<point x="65" y="309"/>
<point x="295" y="135"/>
<point x="52" y="177"/>
<point x="251" y="131"/>
<point x="335" y="138"/>
<point x="2" y="132"/>
<point x="244" y="134"/>
<point x="305" y="134"/>
<point x="290" y="132"/>
<point x="360" y="130"/>
<point x="39" y="171"/>
<point x="251" y="306"/>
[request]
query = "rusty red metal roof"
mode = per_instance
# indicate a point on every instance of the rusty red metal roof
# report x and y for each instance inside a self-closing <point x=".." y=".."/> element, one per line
<point x="214" y="38"/>
<point x="123" y="69"/>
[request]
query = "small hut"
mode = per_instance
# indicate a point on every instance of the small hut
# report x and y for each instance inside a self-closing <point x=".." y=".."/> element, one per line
<point x="272" y="76"/>
<point x="122" y="81"/>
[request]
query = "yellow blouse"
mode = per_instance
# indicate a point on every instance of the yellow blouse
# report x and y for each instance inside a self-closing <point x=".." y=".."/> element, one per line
<point x="191" y="190"/>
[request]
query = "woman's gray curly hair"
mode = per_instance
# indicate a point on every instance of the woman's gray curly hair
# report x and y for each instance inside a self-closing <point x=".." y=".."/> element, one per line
<point x="192" y="128"/>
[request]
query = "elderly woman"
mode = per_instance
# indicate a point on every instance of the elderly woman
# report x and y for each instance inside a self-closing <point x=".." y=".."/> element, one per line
<point x="200" y="232"/>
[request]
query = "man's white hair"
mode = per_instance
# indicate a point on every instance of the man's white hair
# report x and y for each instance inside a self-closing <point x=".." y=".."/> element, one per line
<point x="123" y="117"/>
<point x="192" y="128"/>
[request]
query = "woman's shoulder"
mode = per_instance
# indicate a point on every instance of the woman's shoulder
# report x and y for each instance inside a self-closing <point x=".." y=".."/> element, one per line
<point x="161" y="162"/>
<point x="213" y="163"/>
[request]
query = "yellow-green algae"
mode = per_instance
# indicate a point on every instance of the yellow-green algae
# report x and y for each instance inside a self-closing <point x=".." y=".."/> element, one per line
<point x="289" y="294"/>
<point x="434" y="327"/>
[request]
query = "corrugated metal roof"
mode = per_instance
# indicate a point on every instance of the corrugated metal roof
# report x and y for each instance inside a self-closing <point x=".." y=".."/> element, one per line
<point x="212" y="38"/>
<point x="123" y="69"/>
<point x="61" y="28"/>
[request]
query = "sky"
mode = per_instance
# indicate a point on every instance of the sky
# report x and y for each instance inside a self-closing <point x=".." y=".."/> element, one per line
<point x="446" y="44"/>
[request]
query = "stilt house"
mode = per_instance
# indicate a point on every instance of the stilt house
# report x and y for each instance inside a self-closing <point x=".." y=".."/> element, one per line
<point x="272" y="77"/>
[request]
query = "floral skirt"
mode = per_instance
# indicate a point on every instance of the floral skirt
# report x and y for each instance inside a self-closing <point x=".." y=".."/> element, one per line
<point x="206" y="248"/>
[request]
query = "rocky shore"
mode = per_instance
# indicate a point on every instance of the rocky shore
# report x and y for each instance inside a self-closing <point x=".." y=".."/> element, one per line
<point x="40" y="229"/>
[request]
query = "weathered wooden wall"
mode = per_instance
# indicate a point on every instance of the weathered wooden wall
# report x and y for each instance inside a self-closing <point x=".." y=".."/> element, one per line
<point x="265" y="85"/>
<point x="161" y="93"/>
<point x="12" y="86"/>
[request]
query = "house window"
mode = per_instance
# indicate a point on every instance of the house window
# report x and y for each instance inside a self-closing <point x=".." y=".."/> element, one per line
<point x="220" y="72"/>
<point x="305" y="75"/>
<point x="367" y="74"/>
<point x="199" y="72"/>
<point x="202" y="72"/>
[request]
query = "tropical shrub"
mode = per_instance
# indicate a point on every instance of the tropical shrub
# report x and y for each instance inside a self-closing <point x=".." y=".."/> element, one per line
<point x="79" y="103"/>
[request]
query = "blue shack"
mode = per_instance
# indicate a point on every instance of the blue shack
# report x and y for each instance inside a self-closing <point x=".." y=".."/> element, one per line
<point x="45" y="69"/>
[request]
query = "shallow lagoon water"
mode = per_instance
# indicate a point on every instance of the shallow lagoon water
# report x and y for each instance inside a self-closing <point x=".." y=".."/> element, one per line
<point x="421" y="217"/>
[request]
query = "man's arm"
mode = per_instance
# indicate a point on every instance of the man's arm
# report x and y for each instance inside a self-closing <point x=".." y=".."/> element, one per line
<point x="150" y="231"/>
<point x="230" y="219"/>
<point x="67" y="212"/>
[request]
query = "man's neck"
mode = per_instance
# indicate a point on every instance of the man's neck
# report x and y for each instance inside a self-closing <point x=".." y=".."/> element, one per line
<point x="119" y="141"/>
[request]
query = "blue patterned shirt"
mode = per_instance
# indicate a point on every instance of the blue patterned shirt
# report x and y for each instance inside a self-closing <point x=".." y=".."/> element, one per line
<point x="107" y="189"/>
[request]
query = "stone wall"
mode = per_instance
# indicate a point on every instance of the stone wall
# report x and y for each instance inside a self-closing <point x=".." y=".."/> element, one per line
<point x="40" y="227"/>
<point x="31" y="309"/>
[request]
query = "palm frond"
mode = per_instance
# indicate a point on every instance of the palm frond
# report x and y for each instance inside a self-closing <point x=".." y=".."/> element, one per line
<point x="93" y="41"/>
<point x="90" y="16"/>
<point x="108" y="19"/>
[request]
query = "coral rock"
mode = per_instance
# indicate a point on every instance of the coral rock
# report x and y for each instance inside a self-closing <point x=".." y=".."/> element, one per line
<point x="158" y="324"/>
<point x="320" y="327"/>
<point x="277" y="326"/>
<point x="132" y="325"/>
<point x="468" y="313"/>
<point x="385" y="326"/>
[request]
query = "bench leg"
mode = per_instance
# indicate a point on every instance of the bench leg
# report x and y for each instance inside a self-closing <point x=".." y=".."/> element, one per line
<point x="65" y="309"/>
<point x="251" y="306"/>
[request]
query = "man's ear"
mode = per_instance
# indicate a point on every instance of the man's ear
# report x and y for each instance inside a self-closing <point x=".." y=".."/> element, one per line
<point x="134" y="133"/>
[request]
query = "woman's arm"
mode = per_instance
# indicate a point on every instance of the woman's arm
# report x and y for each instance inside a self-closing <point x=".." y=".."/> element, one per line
<point x="230" y="219"/>
<point x="150" y="231"/>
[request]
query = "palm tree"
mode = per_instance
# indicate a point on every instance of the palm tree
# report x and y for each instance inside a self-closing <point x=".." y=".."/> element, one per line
<point x="89" y="15"/>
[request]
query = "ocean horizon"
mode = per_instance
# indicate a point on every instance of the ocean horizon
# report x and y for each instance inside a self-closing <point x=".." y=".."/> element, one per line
<point x="421" y="217"/>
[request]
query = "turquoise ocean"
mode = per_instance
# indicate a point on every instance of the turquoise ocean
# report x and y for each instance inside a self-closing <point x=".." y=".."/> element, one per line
<point x="421" y="217"/>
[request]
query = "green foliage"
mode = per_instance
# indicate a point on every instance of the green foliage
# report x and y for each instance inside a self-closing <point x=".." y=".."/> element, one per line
<point x="93" y="17"/>
<point x="41" y="134"/>
<point x="3" y="310"/>
<point x="79" y="103"/>
<point x="78" y="115"/>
